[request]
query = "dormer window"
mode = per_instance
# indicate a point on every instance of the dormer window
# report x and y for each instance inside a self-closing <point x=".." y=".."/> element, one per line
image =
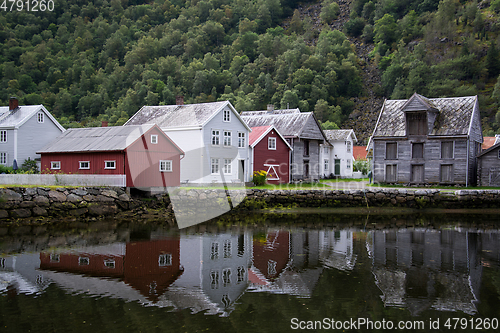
<point x="416" y="123"/>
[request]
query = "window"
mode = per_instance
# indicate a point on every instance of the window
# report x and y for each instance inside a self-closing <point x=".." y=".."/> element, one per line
<point x="3" y="136"/>
<point x="271" y="267"/>
<point x="83" y="261"/>
<point x="390" y="173"/>
<point x="109" y="164"/>
<point x="348" y="143"/>
<point x="165" y="166"/>
<point x="3" y="158"/>
<point x="417" y="173"/>
<point x="40" y="117"/>
<point x="227" y="166"/>
<point x="109" y="263"/>
<point x="226" y="277"/>
<point x="227" y="138"/>
<point x="306" y="147"/>
<point x="54" y="257"/>
<point x="241" y="274"/>
<point x="391" y="151"/>
<point x="241" y="140"/>
<point x="416" y="123"/>
<point x="55" y="165"/>
<point x="215" y="137"/>
<point x="215" y="165"/>
<point x="154" y="139"/>
<point x="417" y="150"/>
<point x="84" y="165"/>
<point x="447" y="149"/>
<point x="214" y="279"/>
<point x="271" y="143"/>
<point x="227" y="248"/>
<point x="446" y="173"/>
<point x="165" y="259"/>
<point x="325" y="150"/>
<point x="214" y="251"/>
<point x="227" y="116"/>
<point x="348" y="163"/>
<point x="327" y="165"/>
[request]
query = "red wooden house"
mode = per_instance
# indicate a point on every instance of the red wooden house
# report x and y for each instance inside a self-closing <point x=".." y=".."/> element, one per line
<point x="271" y="257"/>
<point x="270" y="152"/>
<point x="143" y="153"/>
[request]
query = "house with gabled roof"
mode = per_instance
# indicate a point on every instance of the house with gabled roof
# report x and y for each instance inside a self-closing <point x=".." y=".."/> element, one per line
<point x="270" y="152"/>
<point x="427" y="141"/>
<point x="212" y="135"/>
<point x="143" y="154"/>
<point x="301" y="130"/>
<point x="23" y="130"/>
<point x="488" y="165"/>
<point x="337" y="153"/>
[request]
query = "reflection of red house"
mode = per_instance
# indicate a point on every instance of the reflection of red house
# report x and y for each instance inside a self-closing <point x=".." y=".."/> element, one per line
<point x="145" y="154"/>
<point x="147" y="266"/>
<point x="270" y="152"/>
<point x="270" y="256"/>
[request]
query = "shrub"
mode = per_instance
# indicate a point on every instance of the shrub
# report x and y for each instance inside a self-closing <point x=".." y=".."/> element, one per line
<point x="259" y="177"/>
<point x="362" y="166"/>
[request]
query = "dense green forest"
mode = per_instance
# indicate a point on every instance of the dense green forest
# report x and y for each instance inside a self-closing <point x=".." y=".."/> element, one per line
<point x="88" y="61"/>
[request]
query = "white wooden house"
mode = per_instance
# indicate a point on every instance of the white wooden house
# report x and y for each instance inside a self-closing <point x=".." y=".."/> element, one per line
<point x="337" y="155"/>
<point x="427" y="141"/>
<point x="212" y="135"/>
<point x="24" y="130"/>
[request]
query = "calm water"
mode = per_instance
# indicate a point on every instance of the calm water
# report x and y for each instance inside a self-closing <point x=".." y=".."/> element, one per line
<point x="269" y="273"/>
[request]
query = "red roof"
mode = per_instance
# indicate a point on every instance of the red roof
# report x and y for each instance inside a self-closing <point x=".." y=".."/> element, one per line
<point x="488" y="141"/>
<point x="256" y="133"/>
<point x="359" y="152"/>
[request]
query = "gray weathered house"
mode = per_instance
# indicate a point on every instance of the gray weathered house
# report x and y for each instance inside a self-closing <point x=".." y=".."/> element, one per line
<point x="303" y="133"/>
<point x="488" y="166"/>
<point x="423" y="140"/>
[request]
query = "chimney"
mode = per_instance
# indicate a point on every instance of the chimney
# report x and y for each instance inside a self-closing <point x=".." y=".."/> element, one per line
<point x="270" y="108"/>
<point x="179" y="100"/>
<point x="104" y="123"/>
<point x="13" y="103"/>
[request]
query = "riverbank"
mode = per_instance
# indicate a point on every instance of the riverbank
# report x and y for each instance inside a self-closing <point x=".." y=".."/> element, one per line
<point x="41" y="204"/>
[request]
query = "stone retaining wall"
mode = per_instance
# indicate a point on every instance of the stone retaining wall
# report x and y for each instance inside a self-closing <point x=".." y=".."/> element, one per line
<point x="20" y="202"/>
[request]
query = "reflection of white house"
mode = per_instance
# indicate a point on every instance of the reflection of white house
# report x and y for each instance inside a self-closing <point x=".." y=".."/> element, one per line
<point x="337" y="156"/>
<point x="336" y="249"/>
<point x="213" y="136"/>
<point x="215" y="270"/>
<point x="422" y="269"/>
<point x="20" y="273"/>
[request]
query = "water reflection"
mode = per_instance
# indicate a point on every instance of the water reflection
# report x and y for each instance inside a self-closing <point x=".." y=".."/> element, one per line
<point x="416" y="269"/>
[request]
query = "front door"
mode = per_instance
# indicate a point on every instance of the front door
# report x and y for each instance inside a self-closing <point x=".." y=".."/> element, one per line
<point x="417" y="173"/>
<point x="337" y="167"/>
<point x="241" y="171"/>
<point x="306" y="169"/>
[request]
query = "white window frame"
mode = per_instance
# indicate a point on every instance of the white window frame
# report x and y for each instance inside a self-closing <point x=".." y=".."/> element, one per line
<point x="227" y="138"/>
<point x="109" y="263"/>
<point x="325" y="150"/>
<point x="226" y="116"/>
<point x="214" y="166"/>
<point x="154" y="139"/>
<point x="84" y="168"/>
<point x="227" y="248"/>
<point x="3" y="158"/>
<point x="215" y="138"/>
<point x="109" y="167"/>
<point x="349" y="145"/>
<point x="165" y="165"/>
<point x="83" y="261"/>
<point x="241" y="139"/>
<point x="55" y="165"/>
<point x="348" y="163"/>
<point x="214" y="251"/>
<point x="326" y="164"/>
<point x="214" y="279"/>
<point x="271" y="143"/>
<point x="165" y="259"/>
<point x="40" y="117"/>
<point x="226" y="277"/>
<point x="228" y="166"/>
<point x="3" y="136"/>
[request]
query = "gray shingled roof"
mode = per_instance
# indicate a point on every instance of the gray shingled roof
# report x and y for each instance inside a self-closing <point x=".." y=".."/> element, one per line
<point x="338" y="135"/>
<point x="454" y="116"/>
<point x="288" y="122"/>
<point x="170" y="116"/>
<point x="96" y="139"/>
<point x="17" y="117"/>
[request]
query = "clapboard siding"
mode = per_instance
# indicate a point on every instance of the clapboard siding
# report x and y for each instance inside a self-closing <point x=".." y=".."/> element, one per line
<point x="489" y="167"/>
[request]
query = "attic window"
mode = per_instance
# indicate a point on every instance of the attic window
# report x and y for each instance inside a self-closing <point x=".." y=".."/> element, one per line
<point x="227" y="116"/>
<point x="154" y="139"/>
<point x="348" y="146"/>
<point x="416" y="123"/>
<point x="40" y="117"/>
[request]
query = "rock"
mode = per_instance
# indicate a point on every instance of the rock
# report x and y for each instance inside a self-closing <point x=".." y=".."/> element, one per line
<point x="41" y="200"/>
<point x="79" y="191"/>
<point x="79" y="211"/>
<point x="110" y="193"/>
<point x="74" y="198"/>
<point x="39" y="211"/>
<point x="4" y="214"/>
<point x="9" y="195"/>
<point x="124" y="197"/>
<point x="20" y="213"/>
<point x="99" y="209"/>
<point x="57" y="196"/>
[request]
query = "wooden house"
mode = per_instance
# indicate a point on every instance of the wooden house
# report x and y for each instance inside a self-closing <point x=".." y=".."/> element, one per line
<point x="212" y="135"/>
<point x="427" y="141"/>
<point x="145" y="155"/>
<point x="337" y="153"/>
<point x="270" y="152"/>
<point x="24" y="130"/>
<point x="302" y="131"/>
<point x="488" y="166"/>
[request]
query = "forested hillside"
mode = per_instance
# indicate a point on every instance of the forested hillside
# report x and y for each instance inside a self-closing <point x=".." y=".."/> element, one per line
<point x="88" y="61"/>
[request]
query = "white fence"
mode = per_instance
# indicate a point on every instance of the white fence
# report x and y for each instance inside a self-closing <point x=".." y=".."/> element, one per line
<point x="64" y="180"/>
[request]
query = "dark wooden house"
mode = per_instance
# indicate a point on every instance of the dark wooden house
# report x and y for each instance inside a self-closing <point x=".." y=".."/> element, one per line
<point x="488" y="166"/>
<point x="144" y="154"/>
<point x="302" y="131"/>
<point x="427" y="141"/>
<point x="270" y="152"/>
